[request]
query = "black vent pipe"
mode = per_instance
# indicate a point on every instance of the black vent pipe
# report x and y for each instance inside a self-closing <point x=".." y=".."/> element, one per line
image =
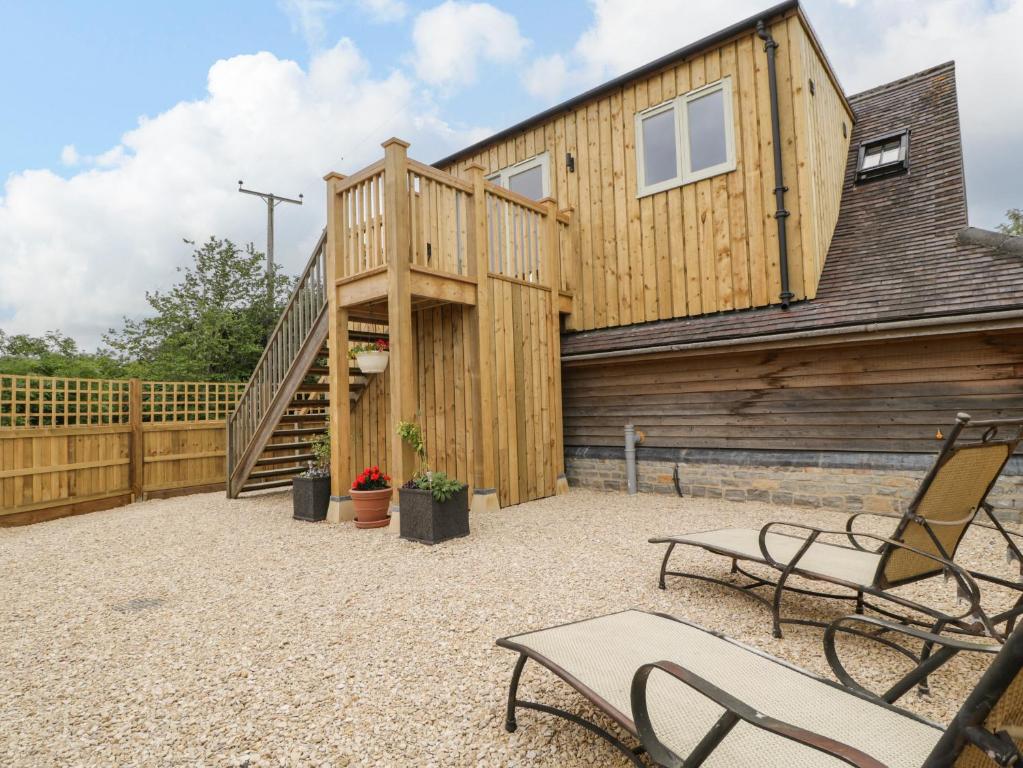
<point x="770" y="46"/>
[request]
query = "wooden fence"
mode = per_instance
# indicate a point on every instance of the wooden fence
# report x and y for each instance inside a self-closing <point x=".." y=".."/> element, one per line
<point x="77" y="445"/>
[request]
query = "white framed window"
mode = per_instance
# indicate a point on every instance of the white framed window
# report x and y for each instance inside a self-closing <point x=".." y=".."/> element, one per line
<point x="689" y="138"/>
<point x="531" y="177"/>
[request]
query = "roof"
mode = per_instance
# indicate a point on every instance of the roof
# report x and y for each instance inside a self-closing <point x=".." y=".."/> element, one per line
<point x="901" y="249"/>
<point x="654" y="66"/>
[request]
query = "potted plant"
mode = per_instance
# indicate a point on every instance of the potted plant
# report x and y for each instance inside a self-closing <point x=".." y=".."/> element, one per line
<point x="434" y="507"/>
<point x="371" y="496"/>
<point x="371" y="357"/>
<point x="311" y="490"/>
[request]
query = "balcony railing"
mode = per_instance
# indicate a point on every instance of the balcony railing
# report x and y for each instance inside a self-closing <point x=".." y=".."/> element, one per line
<point x="441" y="210"/>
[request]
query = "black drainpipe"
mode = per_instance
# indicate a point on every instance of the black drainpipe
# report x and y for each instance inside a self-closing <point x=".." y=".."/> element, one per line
<point x="770" y="45"/>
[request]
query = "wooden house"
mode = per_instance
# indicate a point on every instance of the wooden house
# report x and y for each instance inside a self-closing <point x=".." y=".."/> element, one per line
<point x="720" y="247"/>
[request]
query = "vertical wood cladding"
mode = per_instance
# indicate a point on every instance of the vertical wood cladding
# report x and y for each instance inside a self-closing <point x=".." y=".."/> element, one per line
<point x="889" y="396"/>
<point x="711" y="245"/>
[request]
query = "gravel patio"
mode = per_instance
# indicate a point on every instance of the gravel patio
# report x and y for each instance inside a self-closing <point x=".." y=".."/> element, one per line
<point x="205" y="631"/>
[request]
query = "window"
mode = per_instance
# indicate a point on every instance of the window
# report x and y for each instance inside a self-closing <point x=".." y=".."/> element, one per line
<point x="686" y="139"/>
<point x="883" y="156"/>
<point x="530" y="177"/>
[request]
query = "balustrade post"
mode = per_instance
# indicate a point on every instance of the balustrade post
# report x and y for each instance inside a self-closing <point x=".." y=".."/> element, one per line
<point x="481" y="349"/>
<point x="397" y="254"/>
<point x="339" y="408"/>
<point x="551" y="273"/>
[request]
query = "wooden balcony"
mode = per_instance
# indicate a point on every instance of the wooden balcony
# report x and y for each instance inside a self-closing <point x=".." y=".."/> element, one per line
<point x="444" y="229"/>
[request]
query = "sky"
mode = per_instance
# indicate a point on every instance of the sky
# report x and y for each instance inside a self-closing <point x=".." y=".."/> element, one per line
<point x="127" y="125"/>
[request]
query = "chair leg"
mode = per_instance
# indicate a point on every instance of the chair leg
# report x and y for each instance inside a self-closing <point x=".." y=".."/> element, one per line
<point x="859" y="601"/>
<point x="923" y="688"/>
<point x="509" y="720"/>
<point x="664" y="564"/>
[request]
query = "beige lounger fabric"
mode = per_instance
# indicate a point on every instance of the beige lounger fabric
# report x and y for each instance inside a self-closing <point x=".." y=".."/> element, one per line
<point x="822" y="558"/>
<point x="604" y="654"/>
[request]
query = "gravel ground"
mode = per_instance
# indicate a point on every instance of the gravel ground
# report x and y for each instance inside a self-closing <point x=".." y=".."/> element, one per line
<point x="203" y="631"/>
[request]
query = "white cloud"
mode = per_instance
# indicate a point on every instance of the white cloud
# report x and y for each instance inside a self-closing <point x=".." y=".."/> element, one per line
<point x="309" y="18"/>
<point x="870" y="42"/>
<point x="79" y="252"/>
<point x="451" y="38"/>
<point x="69" y="155"/>
<point x="385" y="10"/>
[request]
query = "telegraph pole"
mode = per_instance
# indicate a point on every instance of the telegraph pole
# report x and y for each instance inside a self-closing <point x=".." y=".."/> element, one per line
<point x="272" y="201"/>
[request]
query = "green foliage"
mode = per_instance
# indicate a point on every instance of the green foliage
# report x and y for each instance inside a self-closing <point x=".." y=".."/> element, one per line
<point x="412" y="435"/>
<point x="321" y="449"/>
<point x="380" y="345"/>
<point x="54" y="354"/>
<point x="1014" y="225"/>
<point x="211" y="326"/>
<point x="439" y="484"/>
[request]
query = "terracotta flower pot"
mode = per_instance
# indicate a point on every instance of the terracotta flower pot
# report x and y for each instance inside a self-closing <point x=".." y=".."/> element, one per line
<point x="371" y="508"/>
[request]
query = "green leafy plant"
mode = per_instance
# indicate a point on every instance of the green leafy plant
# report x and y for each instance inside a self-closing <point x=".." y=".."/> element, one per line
<point x="439" y="484"/>
<point x="320" y="465"/>
<point x="380" y="345"/>
<point x="412" y="435"/>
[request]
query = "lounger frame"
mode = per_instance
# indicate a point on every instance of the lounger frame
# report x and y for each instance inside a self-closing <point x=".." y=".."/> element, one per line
<point x="974" y="620"/>
<point x="966" y="728"/>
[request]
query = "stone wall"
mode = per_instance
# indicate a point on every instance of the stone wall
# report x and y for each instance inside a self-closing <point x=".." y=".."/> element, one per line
<point x="850" y="482"/>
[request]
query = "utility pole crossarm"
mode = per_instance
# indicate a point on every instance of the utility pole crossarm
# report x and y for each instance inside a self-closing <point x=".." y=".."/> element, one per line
<point x="272" y="201"/>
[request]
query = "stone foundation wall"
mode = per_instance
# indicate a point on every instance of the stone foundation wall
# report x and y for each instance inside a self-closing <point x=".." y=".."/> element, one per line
<point x="842" y="482"/>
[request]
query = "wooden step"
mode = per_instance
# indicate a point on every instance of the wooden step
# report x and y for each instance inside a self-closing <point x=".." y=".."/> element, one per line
<point x="298" y="431"/>
<point x="319" y="402"/>
<point x="318" y="371"/>
<point x="291" y="418"/>
<point x="266" y="485"/>
<point x="279" y="472"/>
<point x="298" y="445"/>
<point x="300" y="457"/>
<point x="316" y="387"/>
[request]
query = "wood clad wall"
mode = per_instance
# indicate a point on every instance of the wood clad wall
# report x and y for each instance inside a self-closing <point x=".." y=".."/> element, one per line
<point x="49" y="467"/>
<point x="704" y="247"/>
<point x="822" y="155"/>
<point x="525" y="353"/>
<point x="890" y="396"/>
<point x="370" y="424"/>
<point x="524" y="356"/>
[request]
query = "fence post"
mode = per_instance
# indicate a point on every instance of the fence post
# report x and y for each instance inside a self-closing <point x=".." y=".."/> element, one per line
<point x="481" y="348"/>
<point x="397" y="253"/>
<point x="136" y="463"/>
<point x="552" y="272"/>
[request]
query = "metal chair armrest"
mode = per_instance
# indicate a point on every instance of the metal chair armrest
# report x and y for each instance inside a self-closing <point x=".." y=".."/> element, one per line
<point x="949" y="647"/>
<point x="735" y="710"/>
<point x="851" y="534"/>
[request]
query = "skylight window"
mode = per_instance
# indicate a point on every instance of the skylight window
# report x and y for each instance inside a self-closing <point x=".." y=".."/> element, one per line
<point x="883" y="156"/>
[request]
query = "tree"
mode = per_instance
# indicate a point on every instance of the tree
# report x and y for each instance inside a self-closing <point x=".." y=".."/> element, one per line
<point x="211" y="326"/>
<point x="1014" y="225"/>
<point x="53" y="354"/>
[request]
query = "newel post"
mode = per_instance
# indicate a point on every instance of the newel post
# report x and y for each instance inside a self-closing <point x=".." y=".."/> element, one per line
<point x="481" y="350"/>
<point x="339" y="408"/>
<point x="397" y="253"/>
<point x="551" y="275"/>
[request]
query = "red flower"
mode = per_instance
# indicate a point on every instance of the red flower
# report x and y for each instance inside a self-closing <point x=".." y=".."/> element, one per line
<point x="375" y="476"/>
<point x="387" y="478"/>
<point x="355" y="486"/>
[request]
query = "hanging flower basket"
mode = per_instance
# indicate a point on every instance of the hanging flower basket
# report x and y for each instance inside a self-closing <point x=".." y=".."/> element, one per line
<point x="371" y="358"/>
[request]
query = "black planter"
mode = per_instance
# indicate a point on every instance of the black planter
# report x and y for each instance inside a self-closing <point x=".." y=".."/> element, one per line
<point x="428" y="521"/>
<point x="311" y="497"/>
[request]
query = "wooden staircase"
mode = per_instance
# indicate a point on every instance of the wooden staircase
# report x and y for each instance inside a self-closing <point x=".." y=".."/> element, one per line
<point x="285" y="405"/>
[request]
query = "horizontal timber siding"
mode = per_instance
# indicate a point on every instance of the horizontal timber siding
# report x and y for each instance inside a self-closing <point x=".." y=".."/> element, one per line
<point x="707" y="246"/>
<point x="893" y="396"/>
